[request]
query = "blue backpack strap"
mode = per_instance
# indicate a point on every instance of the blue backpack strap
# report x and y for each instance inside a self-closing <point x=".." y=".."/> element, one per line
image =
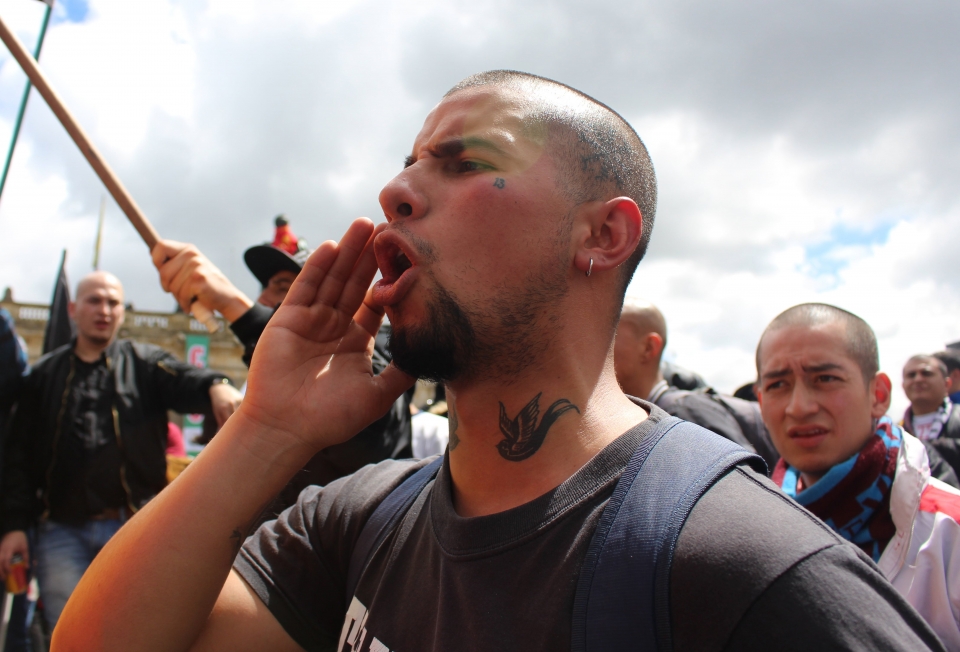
<point x="384" y="519"/>
<point x="623" y="593"/>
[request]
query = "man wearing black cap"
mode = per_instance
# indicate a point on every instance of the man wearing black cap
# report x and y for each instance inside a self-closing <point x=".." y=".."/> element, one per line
<point x="189" y="276"/>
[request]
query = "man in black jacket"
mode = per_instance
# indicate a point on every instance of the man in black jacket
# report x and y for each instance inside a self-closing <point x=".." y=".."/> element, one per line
<point x="87" y="443"/>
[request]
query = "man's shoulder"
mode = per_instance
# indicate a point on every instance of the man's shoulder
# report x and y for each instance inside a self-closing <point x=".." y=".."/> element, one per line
<point x="680" y="402"/>
<point x="50" y="362"/>
<point x="143" y="350"/>
<point x="952" y="428"/>
<point x="346" y="504"/>
<point x="745" y="516"/>
<point x="741" y="536"/>
<point x="339" y="510"/>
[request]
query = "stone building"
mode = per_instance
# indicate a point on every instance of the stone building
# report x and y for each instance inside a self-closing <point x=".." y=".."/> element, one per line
<point x="167" y="330"/>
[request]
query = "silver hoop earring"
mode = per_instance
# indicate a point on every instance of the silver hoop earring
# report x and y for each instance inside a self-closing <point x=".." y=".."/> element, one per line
<point x="590" y="269"/>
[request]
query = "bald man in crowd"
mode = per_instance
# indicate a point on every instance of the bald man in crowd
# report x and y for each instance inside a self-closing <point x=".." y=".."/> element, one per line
<point x="638" y="351"/>
<point x="87" y="442"/>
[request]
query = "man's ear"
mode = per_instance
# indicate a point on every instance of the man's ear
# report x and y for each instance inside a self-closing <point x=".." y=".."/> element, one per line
<point x="614" y="232"/>
<point x="880" y="395"/>
<point x="72" y="310"/>
<point x="653" y="347"/>
<point x="949" y="384"/>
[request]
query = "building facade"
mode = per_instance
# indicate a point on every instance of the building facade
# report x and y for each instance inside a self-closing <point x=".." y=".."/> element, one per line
<point x="174" y="332"/>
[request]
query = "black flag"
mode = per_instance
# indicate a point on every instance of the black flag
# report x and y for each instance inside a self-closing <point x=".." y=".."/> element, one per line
<point x="59" y="325"/>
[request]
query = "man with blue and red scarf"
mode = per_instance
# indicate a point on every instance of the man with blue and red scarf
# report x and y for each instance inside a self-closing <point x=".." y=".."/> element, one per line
<point x="824" y="401"/>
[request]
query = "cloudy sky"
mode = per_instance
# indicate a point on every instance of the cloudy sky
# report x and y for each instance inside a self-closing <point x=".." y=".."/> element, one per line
<point x="805" y="151"/>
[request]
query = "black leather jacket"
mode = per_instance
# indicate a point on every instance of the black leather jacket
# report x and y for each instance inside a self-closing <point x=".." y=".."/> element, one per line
<point x="736" y="419"/>
<point x="148" y="381"/>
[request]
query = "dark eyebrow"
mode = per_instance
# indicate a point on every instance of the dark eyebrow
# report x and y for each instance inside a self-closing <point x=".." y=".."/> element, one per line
<point x="826" y="366"/>
<point x="815" y="369"/>
<point x="454" y="146"/>
<point x="776" y="373"/>
<point x="449" y="148"/>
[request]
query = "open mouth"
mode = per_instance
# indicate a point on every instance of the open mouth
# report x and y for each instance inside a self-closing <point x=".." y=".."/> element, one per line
<point x="401" y="263"/>
<point x="392" y="260"/>
<point x="396" y="267"/>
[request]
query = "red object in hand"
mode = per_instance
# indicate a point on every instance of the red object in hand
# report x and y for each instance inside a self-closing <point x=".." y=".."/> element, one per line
<point x="17" y="577"/>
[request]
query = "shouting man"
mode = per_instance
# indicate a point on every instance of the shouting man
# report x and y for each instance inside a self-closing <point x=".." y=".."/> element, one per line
<point x="824" y="400"/>
<point x="512" y="233"/>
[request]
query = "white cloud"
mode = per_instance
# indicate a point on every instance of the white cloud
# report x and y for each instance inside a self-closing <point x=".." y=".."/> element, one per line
<point x="803" y="154"/>
<point x="765" y="197"/>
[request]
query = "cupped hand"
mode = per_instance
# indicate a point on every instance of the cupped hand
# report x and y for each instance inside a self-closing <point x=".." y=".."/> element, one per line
<point x="311" y="376"/>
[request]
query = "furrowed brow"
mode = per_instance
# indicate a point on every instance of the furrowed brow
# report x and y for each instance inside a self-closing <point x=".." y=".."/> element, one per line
<point x="776" y="373"/>
<point x="475" y="142"/>
<point x="456" y="146"/>
<point x="449" y="148"/>
<point x="819" y="368"/>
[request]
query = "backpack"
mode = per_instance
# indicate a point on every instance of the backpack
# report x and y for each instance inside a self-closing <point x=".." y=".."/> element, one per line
<point x="622" y="598"/>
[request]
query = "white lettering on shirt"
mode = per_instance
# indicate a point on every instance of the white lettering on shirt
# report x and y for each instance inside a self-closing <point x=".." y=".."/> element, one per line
<point x="354" y="636"/>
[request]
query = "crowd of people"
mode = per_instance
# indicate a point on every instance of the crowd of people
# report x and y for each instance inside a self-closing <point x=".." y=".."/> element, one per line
<point x="329" y="512"/>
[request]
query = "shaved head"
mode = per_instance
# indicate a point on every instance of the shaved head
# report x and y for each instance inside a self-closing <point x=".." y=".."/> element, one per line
<point x="638" y="347"/>
<point x="597" y="153"/>
<point x="860" y="341"/>
<point x="95" y="280"/>
<point x="643" y="318"/>
<point x="97" y="310"/>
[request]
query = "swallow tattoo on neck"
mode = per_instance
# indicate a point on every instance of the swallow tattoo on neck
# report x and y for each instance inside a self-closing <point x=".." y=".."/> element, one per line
<point x="523" y="435"/>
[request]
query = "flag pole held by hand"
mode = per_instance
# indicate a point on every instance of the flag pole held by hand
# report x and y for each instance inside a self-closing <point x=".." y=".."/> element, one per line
<point x="107" y="176"/>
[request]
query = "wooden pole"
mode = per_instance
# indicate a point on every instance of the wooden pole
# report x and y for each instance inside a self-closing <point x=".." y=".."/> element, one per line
<point x="100" y="166"/>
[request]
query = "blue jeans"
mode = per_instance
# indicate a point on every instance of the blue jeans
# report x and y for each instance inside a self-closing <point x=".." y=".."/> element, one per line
<point x="63" y="554"/>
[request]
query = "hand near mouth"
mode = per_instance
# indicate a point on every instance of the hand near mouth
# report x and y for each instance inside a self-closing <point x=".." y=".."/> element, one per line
<point x="311" y="378"/>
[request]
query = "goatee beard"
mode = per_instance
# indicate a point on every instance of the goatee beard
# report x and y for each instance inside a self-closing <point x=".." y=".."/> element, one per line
<point x="441" y="349"/>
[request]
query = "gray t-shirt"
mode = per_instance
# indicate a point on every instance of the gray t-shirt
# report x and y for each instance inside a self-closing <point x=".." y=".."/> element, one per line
<point x="752" y="569"/>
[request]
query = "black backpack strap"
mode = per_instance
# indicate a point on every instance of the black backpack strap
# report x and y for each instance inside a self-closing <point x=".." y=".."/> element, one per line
<point x="384" y="519"/>
<point x="623" y="593"/>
